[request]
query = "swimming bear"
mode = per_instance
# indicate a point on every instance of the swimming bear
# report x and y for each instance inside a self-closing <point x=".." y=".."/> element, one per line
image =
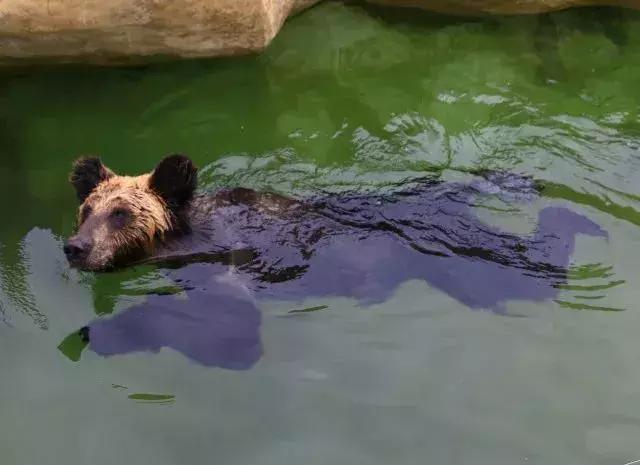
<point x="227" y="248"/>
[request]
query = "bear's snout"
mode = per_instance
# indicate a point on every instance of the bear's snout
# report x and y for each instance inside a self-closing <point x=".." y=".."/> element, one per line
<point x="76" y="250"/>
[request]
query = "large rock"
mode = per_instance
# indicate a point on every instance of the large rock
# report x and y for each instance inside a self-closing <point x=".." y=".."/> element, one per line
<point x="503" y="7"/>
<point x="112" y="31"/>
<point x="121" y="31"/>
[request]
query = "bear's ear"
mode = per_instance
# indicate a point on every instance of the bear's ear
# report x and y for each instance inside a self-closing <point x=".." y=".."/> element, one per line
<point x="175" y="179"/>
<point x="86" y="174"/>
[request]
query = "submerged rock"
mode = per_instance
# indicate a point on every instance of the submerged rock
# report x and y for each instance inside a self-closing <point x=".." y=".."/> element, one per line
<point x="121" y="31"/>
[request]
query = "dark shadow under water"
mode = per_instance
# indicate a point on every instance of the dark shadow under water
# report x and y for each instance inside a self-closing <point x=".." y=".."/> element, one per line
<point x="358" y="246"/>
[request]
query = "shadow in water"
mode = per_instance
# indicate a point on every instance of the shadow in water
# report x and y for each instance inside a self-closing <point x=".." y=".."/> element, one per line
<point x="359" y="246"/>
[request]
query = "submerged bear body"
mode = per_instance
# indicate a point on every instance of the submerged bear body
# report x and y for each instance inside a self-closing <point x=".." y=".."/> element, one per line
<point x="363" y="246"/>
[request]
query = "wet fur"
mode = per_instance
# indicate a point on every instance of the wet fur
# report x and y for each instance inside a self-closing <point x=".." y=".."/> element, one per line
<point x="155" y="206"/>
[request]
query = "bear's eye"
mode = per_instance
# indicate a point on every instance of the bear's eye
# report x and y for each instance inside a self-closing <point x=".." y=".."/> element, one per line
<point x="119" y="216"/>
<point x="85" y="212"/>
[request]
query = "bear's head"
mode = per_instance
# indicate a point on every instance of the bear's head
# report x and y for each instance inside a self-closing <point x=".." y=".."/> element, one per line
<point x="122" y="219"/>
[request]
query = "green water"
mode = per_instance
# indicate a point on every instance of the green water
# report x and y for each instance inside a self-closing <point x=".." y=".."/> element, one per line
<point x="344" y="97"/>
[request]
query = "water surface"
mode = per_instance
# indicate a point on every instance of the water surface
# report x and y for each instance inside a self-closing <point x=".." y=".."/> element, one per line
<point x="344" y="99"/>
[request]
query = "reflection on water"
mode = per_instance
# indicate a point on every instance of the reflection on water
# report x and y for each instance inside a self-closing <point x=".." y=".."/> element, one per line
<point x="14" y="284"/>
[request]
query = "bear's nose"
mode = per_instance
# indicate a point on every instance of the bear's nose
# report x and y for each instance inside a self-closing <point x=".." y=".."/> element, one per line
<point x="76" y="249"/>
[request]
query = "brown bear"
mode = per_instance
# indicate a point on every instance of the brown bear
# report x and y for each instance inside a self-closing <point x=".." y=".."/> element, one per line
<point x="352" y="244"/>
<point x="357" y="245"/>
<point x="124" y="219"/>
